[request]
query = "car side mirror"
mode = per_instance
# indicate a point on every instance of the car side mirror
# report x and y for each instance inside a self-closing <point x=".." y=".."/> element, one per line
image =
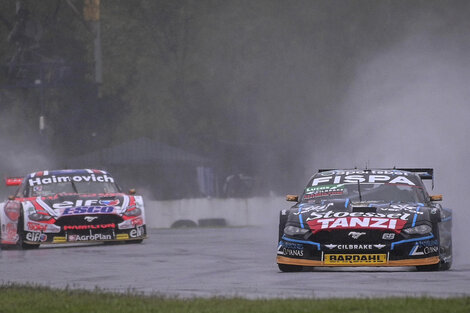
<point x="132" y="191"/>
<point x="293" y="198"/>
<point x="435" y="198"/>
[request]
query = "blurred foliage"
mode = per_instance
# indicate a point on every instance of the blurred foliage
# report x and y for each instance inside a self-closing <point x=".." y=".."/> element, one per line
<point x="16" y="298"/>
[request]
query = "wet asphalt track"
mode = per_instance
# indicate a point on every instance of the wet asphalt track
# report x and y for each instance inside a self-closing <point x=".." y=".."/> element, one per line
<point x="207" y="262"/>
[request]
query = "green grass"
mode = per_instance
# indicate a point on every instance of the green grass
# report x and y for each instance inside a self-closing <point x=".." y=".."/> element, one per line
<point x="15" y="298"/>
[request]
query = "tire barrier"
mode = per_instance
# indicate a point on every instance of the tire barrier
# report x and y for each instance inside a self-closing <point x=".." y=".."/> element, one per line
<point x="212" y="222"/>
<point x="183" y="224"/>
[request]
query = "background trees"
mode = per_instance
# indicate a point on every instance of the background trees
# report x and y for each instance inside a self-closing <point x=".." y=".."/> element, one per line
<point x="256" y="86"/>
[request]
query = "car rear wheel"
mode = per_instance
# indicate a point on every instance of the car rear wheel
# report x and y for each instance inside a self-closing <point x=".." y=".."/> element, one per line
<point x="290" y="268"/>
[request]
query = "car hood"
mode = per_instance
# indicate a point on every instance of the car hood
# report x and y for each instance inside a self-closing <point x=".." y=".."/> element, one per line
<point x="76" y="204"/>
<point x="338" y="214"/>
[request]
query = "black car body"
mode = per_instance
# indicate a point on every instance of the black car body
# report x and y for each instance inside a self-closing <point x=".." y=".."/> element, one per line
<point x="70" y="206"/>
<point x="370" y="217"/>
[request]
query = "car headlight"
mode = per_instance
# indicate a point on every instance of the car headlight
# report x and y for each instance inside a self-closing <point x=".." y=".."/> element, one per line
<point x="133" y="211"/>
<point x="292" y="231"/>
<point x="39" y="217"/>
<point x="421" y="230"/>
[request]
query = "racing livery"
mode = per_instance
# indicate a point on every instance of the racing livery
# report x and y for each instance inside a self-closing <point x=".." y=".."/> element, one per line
<point x="370" y="217"/>
<point x="70" y="206"/>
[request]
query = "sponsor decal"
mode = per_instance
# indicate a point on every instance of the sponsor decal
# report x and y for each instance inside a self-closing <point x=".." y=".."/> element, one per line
<point x="82" y="227"/>
<point x="89" y="210"/>
<point x="122" y="236"/>
<point x="313" y="208"/>
<point x="362" y="172"/>
<point x="36" y="226"/>
<point x="113" y="202"/>
<point x="420" y="249"/>
<point x="323" y="190"/>
<point x="58" y="239"/>
<point x="90" y="219"/>
<point x="356" y="259"/>
<point x="331" y="214"/>
<point x="11" y="231"/>
<point x="403" y="207"/>
<point x="388" y="236"/>
<point x="355" y="235"/>
<point x="89" y="237"/>
<point x="355" y="247"/>
<point x="137" y="221"/>
<point x="12" y="210"/>
<point x="340" y="179"/>
<point x="80" y="203"/>
<point x="137" y="232"/>
<point x="290" y="248"/>
<point x="394" y="224"/>
<point x="63" y="179"/>
<point x="36" y="237"/>
<point x="428" y="243"/>
<point x="292" y="252"/>
<point x="292" y="245"/>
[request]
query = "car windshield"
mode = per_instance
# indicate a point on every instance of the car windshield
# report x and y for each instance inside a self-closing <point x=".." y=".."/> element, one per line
<point x="365" y="192"/>
<point x="71" y="187"/>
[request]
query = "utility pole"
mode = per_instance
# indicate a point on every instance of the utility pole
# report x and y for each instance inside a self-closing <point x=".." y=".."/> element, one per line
<point x="91" y="14"/>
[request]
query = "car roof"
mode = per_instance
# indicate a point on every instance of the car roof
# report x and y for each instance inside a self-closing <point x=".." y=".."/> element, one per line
<point x="70" y="172"/>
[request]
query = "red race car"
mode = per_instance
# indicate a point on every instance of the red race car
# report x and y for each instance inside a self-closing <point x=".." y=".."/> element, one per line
<point x="70" y="206"/>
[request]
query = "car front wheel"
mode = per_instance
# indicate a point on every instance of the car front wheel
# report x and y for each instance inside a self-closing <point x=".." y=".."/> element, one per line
<point x="290" y="268"/>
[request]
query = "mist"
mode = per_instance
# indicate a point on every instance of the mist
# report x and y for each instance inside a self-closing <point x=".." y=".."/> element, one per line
<point x="273" y="89"/>
<point x="408" y="107"/>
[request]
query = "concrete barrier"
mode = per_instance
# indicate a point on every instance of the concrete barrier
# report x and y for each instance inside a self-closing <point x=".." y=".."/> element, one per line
<point x="236" y="212"/>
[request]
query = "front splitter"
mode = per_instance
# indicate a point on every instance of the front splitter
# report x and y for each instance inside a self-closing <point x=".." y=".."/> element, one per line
<point x="396" y="263"/>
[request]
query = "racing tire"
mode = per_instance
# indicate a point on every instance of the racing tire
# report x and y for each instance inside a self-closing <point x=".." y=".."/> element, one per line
<point x="286" y="268"/>
<point x="136" y="241"/>
<point x="445" y="266"/>
<point x="447" y="254"/>
<point x="442" y="265"/>
<point x="428" y="268"/>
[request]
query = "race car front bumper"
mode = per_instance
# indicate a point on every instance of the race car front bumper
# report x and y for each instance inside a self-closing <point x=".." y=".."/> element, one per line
<point x="86" y="236"/>
<point x="410" y="252"/>
<point x="351" y="262"/>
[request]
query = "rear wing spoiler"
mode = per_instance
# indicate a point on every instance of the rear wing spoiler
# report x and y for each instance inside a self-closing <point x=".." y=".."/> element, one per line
<point x="13" y="181"/>
<point x="423" y="173"/>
